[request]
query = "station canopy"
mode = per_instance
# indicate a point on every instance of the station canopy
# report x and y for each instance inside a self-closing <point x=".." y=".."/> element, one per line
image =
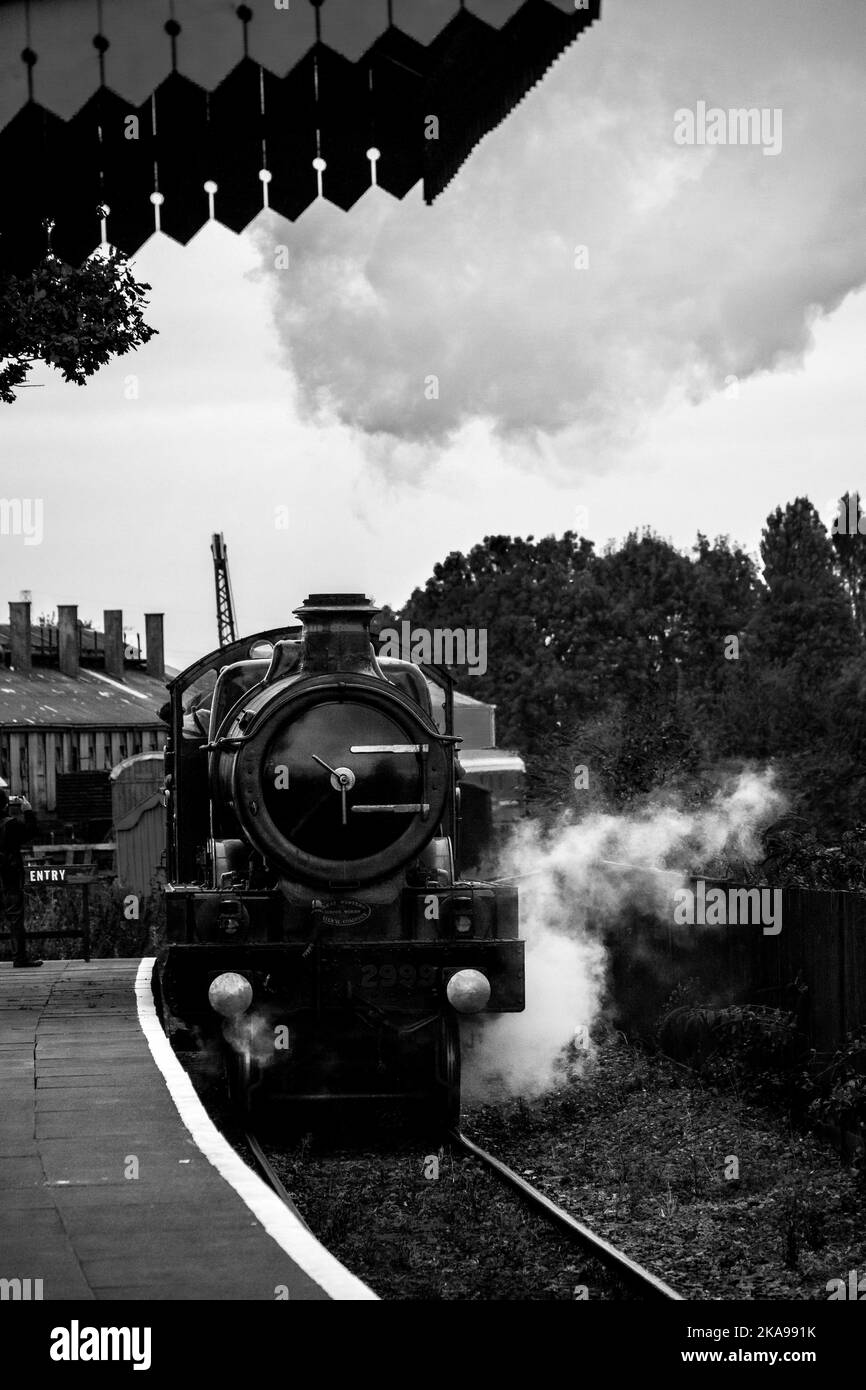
<point x="120" y="117"/>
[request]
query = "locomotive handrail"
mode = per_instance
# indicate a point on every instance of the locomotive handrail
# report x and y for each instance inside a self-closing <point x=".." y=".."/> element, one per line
<point x="237" y="742"/>
<point x="235" y="651"/>
<point x="442" y="677"/>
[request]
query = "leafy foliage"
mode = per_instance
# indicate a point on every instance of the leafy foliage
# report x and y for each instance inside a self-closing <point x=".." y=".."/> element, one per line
<point x="838" y="1091"/>
<point x="572" y="633"/>
<point x="749" y="1046"/>
<point x="74" y="319"/>
<point x="652" y="667"/>
<point x="803" y="618"/>
<point x="796" y="857"/>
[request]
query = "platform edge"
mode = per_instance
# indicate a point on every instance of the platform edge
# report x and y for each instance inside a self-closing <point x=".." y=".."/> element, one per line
<point x="281" y="1225"/>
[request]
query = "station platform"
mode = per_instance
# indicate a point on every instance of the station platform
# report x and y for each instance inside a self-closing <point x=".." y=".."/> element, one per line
<point x="114" y="1182"/>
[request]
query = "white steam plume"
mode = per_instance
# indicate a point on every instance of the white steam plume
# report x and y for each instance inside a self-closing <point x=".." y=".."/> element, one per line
<point x="569" y="888"/>
<point x="409" y="323"/>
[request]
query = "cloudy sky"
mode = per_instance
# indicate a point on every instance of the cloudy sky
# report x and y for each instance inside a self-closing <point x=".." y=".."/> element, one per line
<point x="700" y="362"/>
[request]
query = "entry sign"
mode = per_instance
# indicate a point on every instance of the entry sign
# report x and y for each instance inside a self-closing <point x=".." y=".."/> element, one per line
<point x="53" y="876"/>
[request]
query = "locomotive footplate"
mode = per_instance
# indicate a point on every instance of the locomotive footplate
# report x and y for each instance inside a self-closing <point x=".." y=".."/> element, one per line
<point x="337" y="1021"/>
<point x="394" y="976"/>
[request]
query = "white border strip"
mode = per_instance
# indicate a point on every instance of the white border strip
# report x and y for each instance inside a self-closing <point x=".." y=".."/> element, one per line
<point x="279" y="1222"/>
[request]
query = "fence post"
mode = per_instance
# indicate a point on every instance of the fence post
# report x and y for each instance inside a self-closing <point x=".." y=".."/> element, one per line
<point x="85" y="920"/>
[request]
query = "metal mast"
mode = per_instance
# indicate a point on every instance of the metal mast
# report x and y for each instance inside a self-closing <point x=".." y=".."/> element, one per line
<point x="224" y="602"/>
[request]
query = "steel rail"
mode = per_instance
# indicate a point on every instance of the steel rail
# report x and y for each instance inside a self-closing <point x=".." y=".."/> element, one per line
<point x="271" y="1176"/>
<point x="630" y="1270"/>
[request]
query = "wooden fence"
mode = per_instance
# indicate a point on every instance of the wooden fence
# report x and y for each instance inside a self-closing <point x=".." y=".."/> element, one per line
<point x="815" y="966"/>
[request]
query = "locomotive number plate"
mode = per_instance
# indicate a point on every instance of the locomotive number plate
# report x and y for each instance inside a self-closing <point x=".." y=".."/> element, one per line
<point x="393" y="976"/>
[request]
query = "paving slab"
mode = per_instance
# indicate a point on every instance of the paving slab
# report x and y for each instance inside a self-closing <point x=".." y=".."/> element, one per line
<point x="21" y="1170"/>
<point x="94" y="1098"/>
<point x="62" y="1124"/>
<point x="27" y="1199"/>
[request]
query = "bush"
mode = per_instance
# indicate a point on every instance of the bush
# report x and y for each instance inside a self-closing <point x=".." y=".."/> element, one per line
<point x="837" y="1093"/>
<point x="797" y="858"/>
<point x="112" y="934"/>
<point x="758" y="1051"/>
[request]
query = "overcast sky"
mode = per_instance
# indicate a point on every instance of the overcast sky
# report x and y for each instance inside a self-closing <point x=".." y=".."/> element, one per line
<point x="706" y="365"/>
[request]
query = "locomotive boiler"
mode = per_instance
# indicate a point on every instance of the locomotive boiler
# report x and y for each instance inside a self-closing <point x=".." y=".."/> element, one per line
<point x="316" y="922"/>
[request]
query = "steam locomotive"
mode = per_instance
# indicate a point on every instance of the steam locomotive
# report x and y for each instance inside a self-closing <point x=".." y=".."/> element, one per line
<point x="316" y="923"/>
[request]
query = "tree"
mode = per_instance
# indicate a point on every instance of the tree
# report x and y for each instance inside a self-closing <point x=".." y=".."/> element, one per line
<point x="74" y="319"/>
<point x="849" y="543"/>
<point x="572" y="635"/>
<point x="622" y="661"/>
<point x="723" y="591"/>
<point x="648" y="582"/>
<point x="803" y="617"/>
<point x="801" y="637"/>
<point x="532" y="599"/>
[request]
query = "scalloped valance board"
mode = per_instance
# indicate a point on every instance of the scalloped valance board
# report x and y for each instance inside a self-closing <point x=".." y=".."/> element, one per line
<point x="121" y="117"/>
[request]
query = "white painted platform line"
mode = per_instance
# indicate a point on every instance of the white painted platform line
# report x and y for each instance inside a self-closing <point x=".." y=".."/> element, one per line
<point x="280" y="1223"/>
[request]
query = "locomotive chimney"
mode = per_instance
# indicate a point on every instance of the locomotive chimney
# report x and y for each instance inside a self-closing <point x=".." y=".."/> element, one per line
<point x="337" y="634"/>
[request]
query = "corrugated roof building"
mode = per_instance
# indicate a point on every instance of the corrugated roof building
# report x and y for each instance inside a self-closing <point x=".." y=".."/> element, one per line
<point x="73" y="703"/>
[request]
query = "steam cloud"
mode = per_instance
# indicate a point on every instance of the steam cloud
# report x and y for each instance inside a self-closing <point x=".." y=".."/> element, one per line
<point x="567" y="888"/>
<point x="704" y="263"/>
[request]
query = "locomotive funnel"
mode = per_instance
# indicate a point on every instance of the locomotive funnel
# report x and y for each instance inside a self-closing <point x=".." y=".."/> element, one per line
<point x="337" y="634"/>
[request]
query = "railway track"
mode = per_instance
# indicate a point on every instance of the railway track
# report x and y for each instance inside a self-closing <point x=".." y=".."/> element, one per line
<point x="633" y="1274"/>
<point x="638" y="1280"/>
<point x="270" y="1175"/>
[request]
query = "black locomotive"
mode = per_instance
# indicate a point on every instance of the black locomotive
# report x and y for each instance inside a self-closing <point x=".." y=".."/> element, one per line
<point x="316" y="920"/>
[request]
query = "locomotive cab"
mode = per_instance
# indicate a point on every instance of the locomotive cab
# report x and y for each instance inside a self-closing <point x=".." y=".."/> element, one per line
<point x="315" y="924"/>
